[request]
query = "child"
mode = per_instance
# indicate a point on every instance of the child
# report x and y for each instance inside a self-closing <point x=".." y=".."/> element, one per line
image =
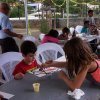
<point x="52" y="36"/>
<point x="28" y="50"/>
<point x="65" y="33"/>
<point x="93" y="30"/>
<point x="80" y="64"/>
<point x="90" y="17"/>
<point x="85" y="28"/>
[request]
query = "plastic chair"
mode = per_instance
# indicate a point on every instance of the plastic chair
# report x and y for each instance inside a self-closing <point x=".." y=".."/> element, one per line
<point x="78" y="28"/>
<point x="48" y="51"/>
<point x="41" y="36"/>
<point x="30" y="38"/>
<point x="71" y="30"/>
<point x="8" y="61"/>
<point x="60" y="32"/>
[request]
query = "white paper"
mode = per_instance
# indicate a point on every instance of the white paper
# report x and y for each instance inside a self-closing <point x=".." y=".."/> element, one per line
<point x="51" y="69"/>
<point x="6" y="95"/>
<point x="40" y="75"/>
<point x="46" y="71"/>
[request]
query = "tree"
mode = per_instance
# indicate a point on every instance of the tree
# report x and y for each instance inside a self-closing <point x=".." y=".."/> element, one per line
<point x="8" y="1"/>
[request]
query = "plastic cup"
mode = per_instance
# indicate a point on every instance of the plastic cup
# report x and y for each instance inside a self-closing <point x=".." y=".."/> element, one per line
<point x="36" y="87"/>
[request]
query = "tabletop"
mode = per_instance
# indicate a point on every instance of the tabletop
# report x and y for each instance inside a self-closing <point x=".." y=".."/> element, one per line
<point x="51" y="88"/>
<point x="87" y="38"/>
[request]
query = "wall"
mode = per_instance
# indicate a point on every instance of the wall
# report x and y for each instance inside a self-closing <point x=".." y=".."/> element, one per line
<point x="60" y="23"/>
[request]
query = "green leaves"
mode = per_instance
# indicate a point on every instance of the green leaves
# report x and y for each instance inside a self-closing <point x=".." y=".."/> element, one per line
<point x="8" y="1"/>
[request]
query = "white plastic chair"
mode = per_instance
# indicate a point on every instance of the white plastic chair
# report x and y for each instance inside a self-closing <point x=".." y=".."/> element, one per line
<point x="60" y="32"/>
<point x="78" y="28"/>
<point x="30" y="38"/>
<point x="71" y="30"/>
<point x="48" y="51"/>
<point x="41" y="36"/>
<point x="8" y="61"/>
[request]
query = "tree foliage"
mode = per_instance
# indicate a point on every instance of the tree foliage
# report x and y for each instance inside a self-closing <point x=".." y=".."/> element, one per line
<point x="8" y="1"/>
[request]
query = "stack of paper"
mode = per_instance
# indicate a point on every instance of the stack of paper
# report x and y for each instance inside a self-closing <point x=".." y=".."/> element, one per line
<point x="6" y="95"/>
<point x="46" y="71"/>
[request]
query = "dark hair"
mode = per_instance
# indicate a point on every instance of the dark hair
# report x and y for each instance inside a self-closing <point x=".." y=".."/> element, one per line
<point x="90" y="11"/>
<point x="4" y="6"/>
<point x="53" y="33"/>
<point x="79" y="55"/>
<point x="65" y="30"/>
<point x="28" y="47"/>
<point x="86" y="22"/>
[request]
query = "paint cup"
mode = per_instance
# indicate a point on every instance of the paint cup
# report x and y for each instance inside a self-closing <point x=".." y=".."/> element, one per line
<point x="36" y="87"/>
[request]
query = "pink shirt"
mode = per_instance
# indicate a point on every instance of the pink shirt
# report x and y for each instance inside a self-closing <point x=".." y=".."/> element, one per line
<point x="49" y="39"/>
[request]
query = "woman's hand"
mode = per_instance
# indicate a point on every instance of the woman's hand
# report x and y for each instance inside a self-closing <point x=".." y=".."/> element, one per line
<point x="47" y="64"/>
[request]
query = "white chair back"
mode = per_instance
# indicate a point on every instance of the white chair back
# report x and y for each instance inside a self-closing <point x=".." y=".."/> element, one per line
<point x="48" y="51"/>
<point x="29" y="38"/>
<point x="8" y="61"/>
<point x="71" y="30"/>
<point x="78" y="28"/>
<point x="41" y="36"/>
<point x="60" y="32"/>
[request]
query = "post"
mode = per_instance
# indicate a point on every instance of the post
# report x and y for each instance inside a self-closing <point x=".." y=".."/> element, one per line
<point x="26" y="13"/>
<point x="18" y="12"/>
<point x="63" y="14"/>
<point x="55" y="19"/>
<point x="67" y="11"/>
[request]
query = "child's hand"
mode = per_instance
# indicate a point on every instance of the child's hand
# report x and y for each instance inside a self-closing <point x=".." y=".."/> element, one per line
<point x="19" y="76"/>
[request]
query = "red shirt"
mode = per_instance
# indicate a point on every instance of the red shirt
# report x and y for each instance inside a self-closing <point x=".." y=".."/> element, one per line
<point x="23" y="67"/>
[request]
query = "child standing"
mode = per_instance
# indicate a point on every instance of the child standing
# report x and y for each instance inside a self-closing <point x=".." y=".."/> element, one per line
<point x="28" y="50"/>
<point x="80" y="64"/>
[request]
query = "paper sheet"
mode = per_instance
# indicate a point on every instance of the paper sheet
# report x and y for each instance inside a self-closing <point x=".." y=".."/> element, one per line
<point x="6" y="95"/>
<point x="40" y="75"/>
<point x="46" y="71"/>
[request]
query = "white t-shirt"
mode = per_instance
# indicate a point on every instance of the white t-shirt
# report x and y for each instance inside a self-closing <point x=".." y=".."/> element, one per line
<point x="5" y="24"/>
<point x="91" y="20"/>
